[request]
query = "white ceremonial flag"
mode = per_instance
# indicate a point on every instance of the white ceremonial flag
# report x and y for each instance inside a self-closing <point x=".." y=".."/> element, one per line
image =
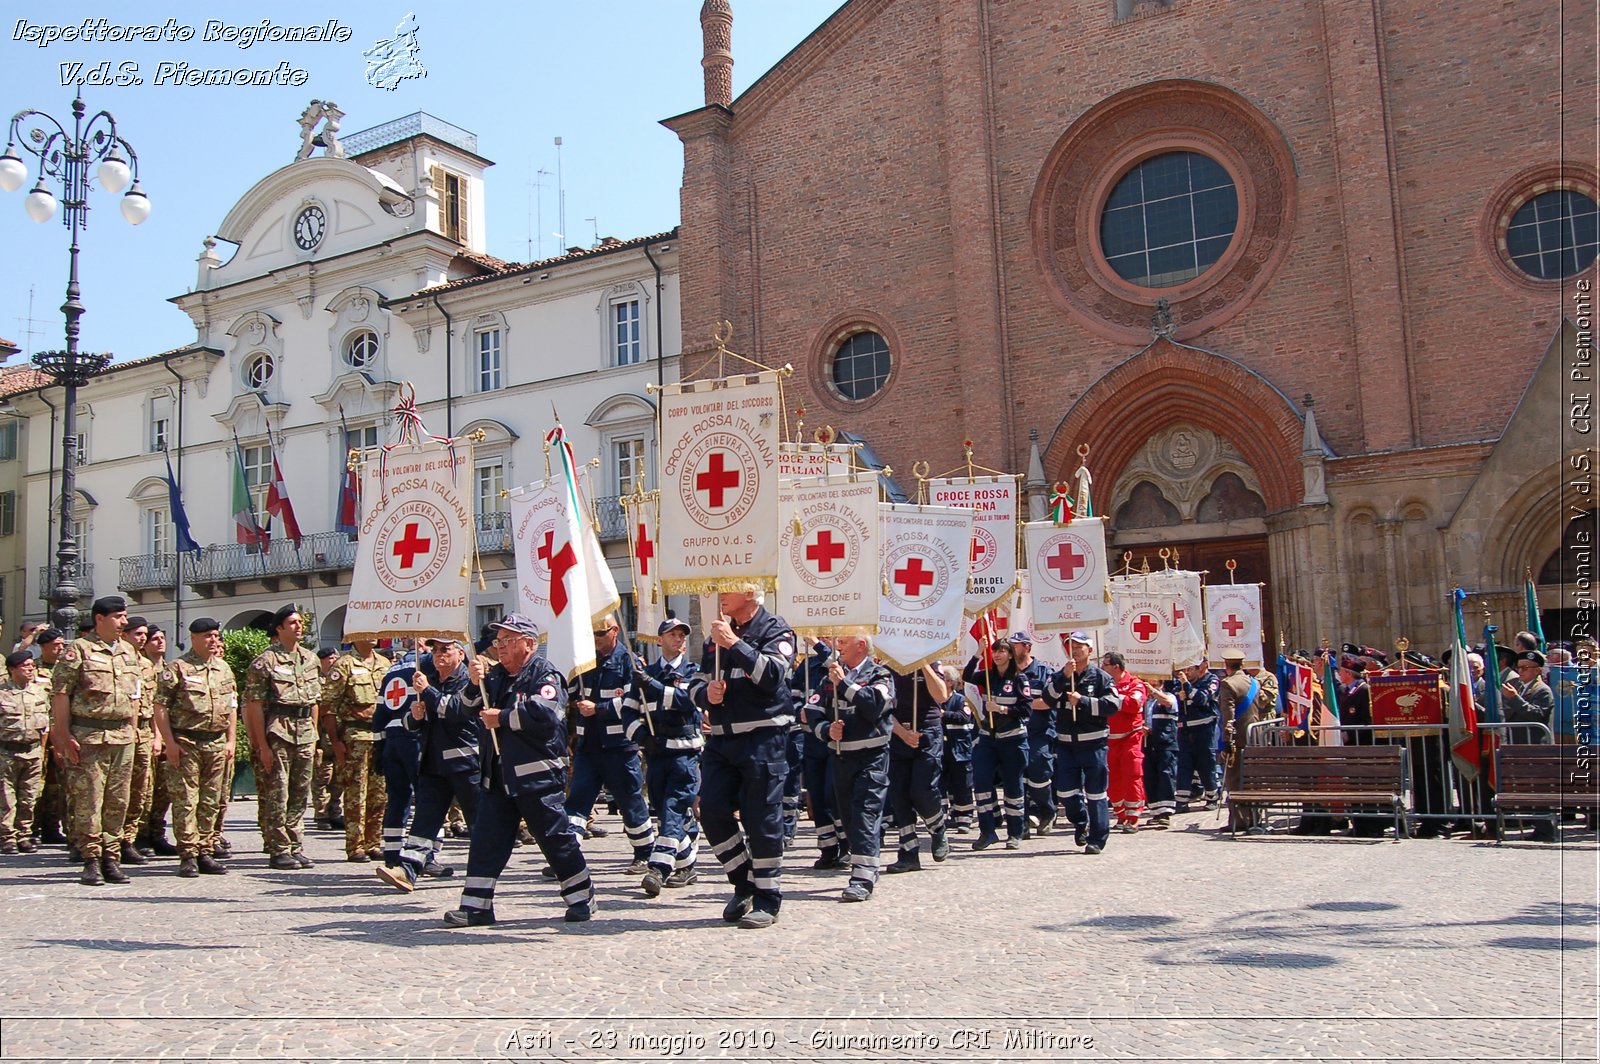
<point x="1233" y="622"/>
<point x="828" y="561"/>
<point x="1141" y="626"/>
<point x="603" y="596"/>
<point x="1067" y="568"/>
<point x="552" y="590"/>
<point x="649" y="605"/>
<point x="923" y="582"/>
<point x="804" y="461"/>
<point x="1047" y="646"/>
<point x="719" y="484"/>
<point x="993" y="551"/>
<point x="1188" y="631"/>
<point x="415" y="546"/>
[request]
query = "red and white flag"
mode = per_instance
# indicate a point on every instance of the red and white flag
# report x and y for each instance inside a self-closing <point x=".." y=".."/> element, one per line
<point x="547" y="536"/>
<point x="828" y="555"/>
<point x="278" y="504"/>
<point x="1067" y="567"/>
<point x="993" y="552"/>
<point x="649" y="604"/>
<point x="1233" y="622"/>
<point x="1182" y="589"/>
<point x="924" y="582"/>
<point x="1141" y="626"/>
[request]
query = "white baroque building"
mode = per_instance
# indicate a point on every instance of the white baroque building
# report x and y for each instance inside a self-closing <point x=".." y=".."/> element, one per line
<point x="353" y="272"/>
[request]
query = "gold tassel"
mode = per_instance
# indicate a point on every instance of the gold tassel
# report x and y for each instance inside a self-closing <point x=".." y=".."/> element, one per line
<point x="797" y="528"/>
<point x="655" y="594"/>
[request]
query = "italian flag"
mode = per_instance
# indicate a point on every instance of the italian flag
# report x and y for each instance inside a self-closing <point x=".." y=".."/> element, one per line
<point x="245" y="528"/>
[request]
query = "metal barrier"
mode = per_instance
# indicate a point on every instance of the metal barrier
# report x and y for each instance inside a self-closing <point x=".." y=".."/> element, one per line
<point x="1435" y="790"/>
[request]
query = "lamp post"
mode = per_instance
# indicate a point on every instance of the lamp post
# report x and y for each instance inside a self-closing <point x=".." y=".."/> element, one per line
<point x="67" y="156"/>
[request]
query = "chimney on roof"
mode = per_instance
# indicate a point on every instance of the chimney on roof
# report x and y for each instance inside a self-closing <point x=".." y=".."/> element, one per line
<point x="716" y="27"/>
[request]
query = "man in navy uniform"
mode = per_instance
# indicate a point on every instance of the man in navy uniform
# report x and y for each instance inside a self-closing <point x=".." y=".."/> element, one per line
<point x="672" y="728"/>
<point x="809" y="678"/>
<point x="743" y="688"/>
<point x="859" y="699"/>
<point x="523" y="754"/>
<point x="955" y="774"/>
<point x="1041" y="740"/>
<point x="444" y="717"/>
<point x="605" y="751"/>
<point x="1084" y="698"/>
<point x="1161" y="755"/>
<point x="1197" y="736"/>
<point x="916" y="754"/>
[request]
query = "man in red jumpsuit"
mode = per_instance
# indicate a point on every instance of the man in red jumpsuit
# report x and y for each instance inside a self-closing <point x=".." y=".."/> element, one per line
<point x="1126" y="755"/>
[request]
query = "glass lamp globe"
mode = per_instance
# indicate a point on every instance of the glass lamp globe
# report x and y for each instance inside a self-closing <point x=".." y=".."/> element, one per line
<point x="114" y="173"/>
<point x="12" y="172"/>
<point x="40" y="204"/>
<point x="135" y="205"/>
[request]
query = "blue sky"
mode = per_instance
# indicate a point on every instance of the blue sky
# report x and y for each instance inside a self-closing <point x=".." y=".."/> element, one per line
<point x="600" y="75"/>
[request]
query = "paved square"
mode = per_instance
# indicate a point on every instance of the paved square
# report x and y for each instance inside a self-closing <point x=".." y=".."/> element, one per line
<point x="1169" y="946"/>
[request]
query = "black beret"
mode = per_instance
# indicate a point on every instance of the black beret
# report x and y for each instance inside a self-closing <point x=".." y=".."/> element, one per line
<point x="283" y="614"/>
<point x="108" y="605"/>
<point x="47" y="635"/>
<point x="16" y="658"/>
<point x="86" y="624"/>
<point x="201" y="625"/>
<point x="136" y="621"/>
<point x="327" y="652"/>
<point x="1532" y="656"/>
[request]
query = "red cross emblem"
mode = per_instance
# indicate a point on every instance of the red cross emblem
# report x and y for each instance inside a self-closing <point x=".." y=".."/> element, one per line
<point x="1233" y="626"/>
<point x="1066" y="562"/>
<point x="824" y="551"/>
<point x="1145" y="627"/>
<point x="1178" y="614"/>
<point x="395" y="693"/>
<point x="978" y="550"/>
<point x="644" y="550"/>
<point x="560" y="562"/>
<point x="407" y="547"/>
<point x="913" y="576"/>
<point x="716" y="479"/>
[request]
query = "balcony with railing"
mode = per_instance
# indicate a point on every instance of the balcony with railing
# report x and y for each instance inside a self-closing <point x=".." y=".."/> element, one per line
<point x="611" y="520"/>
<point x="83" y="576"/>
<point x="494" y="532"/>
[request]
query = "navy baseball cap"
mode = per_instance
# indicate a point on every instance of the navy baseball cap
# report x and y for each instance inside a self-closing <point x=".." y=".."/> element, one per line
<point x="517" y="624"/>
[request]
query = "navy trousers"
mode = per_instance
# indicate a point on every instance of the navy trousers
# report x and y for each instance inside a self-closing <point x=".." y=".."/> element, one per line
<point x="619" y="772"/>
<point x="795" y="752"/>
<point x="399" y="766"/>
<point x="914" y="792"/>
<point x="1161" y="776"/>
<point x="1041" y="771"/>
<point x="1197" y="755"/>
<point x="1082" y="779"/>
<point x="956" y="778"/>
<point x="741" y="810"/>
<point x="674" y="784"/>
<point x="999" y="764"/>
<point x="495" y="833"/>
<point x="434" y="791"/>
<point x="860" y="785"/>
<point x="818" y="771"/>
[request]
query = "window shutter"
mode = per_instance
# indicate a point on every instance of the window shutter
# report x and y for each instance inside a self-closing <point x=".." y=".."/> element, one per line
<point x="441" y="197"/>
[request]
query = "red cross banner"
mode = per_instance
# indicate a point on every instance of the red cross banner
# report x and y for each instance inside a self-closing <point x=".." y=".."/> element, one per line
<point x="719" y="484"/>
<point x="993" y="551"/>
<point x="1067" y="574"/>
<point x="641" y="517"/>
<point x="803" y="461"/>
<point x="1047" y="646"/>
<point x="1141" y="626"/>
<point x="1233" y="622"/>
<point x="414" y="547"/>
<point x="828" y="555"/>
<point x="923" y="583"/>
<point x="1182" y="589"/>
<point x="552" y="586"/>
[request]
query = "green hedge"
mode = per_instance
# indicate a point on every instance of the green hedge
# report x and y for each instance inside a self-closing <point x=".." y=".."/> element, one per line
<point x="241" y="646"/>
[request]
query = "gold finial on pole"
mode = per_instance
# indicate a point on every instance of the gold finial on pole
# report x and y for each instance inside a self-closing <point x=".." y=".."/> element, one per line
<point x="1232" y="565"/>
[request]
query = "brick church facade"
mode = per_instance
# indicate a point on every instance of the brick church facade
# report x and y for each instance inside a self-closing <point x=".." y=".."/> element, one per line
<point x="1311" y="281"/>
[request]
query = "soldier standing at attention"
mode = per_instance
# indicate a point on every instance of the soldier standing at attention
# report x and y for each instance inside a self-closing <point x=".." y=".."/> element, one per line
<point x="146" y="747"/>
<point x="326" y="797"/>
<point x="351" y="697"/>
<point x="197" y="705"/>
<point x="94" y="701"/>
<point x="24" y="722"/>
<point x="282" y="689"/>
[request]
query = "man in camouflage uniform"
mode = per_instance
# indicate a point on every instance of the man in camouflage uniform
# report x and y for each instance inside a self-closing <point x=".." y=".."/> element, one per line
<point x="197" y="707"/>
<point x="94" y="702"/>
<point x="152" y="836"/>
<point x="24" y="722"/>
<point x="351" y="696"/>
<point x="282" y="689"/>
<point x="326" y="797"/>
<point x="51" y="810"/>
<point x="146" y="744"/>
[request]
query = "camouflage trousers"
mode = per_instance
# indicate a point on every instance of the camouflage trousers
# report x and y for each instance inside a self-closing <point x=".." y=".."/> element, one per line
<point x="281" y="797"/>
<point x="97" y="797"/>
<point x="51" y="810"/>
<point x="196" y="786"/>
<point x="324" y="780"/>
<point x="21" y="781"/>
<point x="227" y="792"/>
<point x="142" y="784"/>
<point x="364" y="794"/>
<point x="155" y="822"/>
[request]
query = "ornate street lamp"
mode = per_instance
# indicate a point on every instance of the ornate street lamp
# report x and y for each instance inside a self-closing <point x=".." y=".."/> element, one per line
<point x="67" y="157"/>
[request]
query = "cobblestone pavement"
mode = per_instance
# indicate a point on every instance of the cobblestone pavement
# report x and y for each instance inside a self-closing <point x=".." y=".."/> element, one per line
<point x="1169" y="946"/>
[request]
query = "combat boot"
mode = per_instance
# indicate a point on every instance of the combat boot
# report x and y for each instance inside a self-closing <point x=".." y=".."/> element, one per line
<point x="210" y="866"/>
<point x="131" y="854"/>
<point x="162" y="846"/>
<point x="92" y="876"/>
<point x="189" y="868"/>
<point x="113" y="871"/>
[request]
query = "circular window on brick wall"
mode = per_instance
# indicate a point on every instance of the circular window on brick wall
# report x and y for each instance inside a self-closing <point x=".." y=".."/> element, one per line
<point x="860" y="366"/>
<point x="1553" y="234"/>
<point x="1169" y="219"/>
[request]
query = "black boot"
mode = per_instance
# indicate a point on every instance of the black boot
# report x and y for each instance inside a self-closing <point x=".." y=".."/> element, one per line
<point x="210" y="866"/>
<point x="162" y="846"/>
<point x="131" y="854"/>
<point x="113" y="871"/>
<point x="92" y="876"/>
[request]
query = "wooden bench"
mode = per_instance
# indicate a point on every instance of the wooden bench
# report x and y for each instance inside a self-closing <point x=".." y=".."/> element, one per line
<point x="1325" y="775"/>
<point x="1541" y="781"/>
